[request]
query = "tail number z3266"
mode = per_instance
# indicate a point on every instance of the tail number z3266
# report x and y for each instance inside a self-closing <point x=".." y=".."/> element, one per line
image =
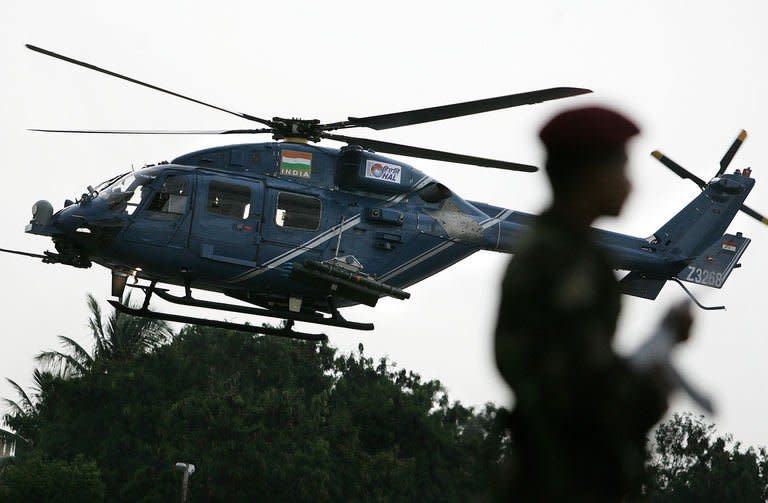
<point x="704" y="277"/>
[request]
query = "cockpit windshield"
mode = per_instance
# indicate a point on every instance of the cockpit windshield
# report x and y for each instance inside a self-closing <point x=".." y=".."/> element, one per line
<point x="103" y="185"/>
<point x="124" y="193"/>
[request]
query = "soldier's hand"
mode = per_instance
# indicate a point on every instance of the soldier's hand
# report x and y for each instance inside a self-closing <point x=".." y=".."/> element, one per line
<point x="679" y="320"/>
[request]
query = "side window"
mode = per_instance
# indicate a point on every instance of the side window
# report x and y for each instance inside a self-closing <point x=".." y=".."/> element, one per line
<point x="135" y="200"/>
<point x="297" y="211"/>
<point x="229" y="200"/>
<point x="170" y="200"/>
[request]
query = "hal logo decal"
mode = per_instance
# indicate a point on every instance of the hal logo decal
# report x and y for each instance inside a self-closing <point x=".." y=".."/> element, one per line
<point x="383" y="171"/>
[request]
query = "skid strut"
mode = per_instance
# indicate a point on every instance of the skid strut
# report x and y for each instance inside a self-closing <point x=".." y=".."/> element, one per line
<point x="335" y="320"/>
<point x="144" y="311"/>
<point x="286" y="331"/>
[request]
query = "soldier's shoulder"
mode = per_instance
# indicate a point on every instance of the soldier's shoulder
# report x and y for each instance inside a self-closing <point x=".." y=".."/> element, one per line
<point x="556" y="264"/>
<point x="536" y="259"/>
<point x="544" y="242"/>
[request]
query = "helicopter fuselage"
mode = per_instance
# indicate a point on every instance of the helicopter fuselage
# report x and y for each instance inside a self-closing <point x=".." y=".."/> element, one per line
<point x="235" y="219"/>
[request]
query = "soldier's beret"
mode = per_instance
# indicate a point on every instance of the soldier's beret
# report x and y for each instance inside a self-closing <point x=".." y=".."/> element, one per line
<point x="588" y="129"/>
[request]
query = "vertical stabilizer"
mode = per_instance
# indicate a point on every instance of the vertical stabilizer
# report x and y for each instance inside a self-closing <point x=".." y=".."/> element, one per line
<point x="705" y="219"/>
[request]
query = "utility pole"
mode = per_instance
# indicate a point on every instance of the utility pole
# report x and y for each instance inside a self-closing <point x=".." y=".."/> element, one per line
<point x="187" y="469"/>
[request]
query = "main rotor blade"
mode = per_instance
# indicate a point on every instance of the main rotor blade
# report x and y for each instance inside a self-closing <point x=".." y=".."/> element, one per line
<point x="129" y="79"/>
<point x="26" y="254"/>
<point x="678" y="170"/>
<point x="752" y="213"/>
<point x="728" y="157"/>
<point x="161" y="131"/>
<point x="425" y="153"/>
<point x="431" y="114"/>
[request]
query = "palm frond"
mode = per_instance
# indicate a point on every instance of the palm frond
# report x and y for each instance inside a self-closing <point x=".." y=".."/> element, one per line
<point x="74" y="360"/>
<point x="96" y="324"/>
<point x="53" y="360"/>
<point x="43" y="380"/>
<point x="119" y="336"/>
<point x="77" y="351"/>
<point x="134" y="335"/>
<point x="26" y="402"/>
<point x="15" y="407"/>
<point x="152" y="333"/>
<point x="61" y="364"/>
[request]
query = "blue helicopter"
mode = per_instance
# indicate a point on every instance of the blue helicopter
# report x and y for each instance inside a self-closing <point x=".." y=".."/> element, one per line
<point x="296" y="231"/>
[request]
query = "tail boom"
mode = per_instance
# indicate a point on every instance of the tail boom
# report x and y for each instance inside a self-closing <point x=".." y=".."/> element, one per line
<point x="690" y="247"/>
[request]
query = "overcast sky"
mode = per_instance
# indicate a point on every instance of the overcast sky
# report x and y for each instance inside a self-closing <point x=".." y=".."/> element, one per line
<point x="691" y="73"/>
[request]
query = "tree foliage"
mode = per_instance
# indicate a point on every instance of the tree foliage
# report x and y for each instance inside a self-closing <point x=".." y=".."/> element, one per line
<point x="36" y="479"/>
<point x="118" y="337"/>
<point x="690" y="462"/>
<point x="262" y="419"/>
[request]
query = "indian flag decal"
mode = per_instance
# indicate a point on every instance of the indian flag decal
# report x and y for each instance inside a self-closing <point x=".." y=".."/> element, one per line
<point x="729" y="245"/>
<point x="297" y="164"/>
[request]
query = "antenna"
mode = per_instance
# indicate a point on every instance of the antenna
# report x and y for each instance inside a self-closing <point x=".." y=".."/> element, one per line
<point x="338" y="239"/>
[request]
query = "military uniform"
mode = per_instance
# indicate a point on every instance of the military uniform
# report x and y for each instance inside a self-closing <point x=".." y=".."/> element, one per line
<point x="580" y="414"/>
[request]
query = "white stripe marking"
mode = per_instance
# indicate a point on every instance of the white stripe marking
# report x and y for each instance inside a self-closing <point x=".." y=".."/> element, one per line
<point x="488" y="222"/>
<point x="322" y="238"/>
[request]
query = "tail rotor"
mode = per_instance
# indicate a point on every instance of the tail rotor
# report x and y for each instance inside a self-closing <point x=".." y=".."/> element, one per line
<point x="724" y="163"/>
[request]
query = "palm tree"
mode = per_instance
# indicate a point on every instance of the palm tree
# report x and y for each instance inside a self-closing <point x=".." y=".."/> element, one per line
<point x="43" y="382"/>
<point x="24" y="406"/>
<point x="22" y="412"/>
<point x="119" y="337"/>
<point x="72" y="361"/>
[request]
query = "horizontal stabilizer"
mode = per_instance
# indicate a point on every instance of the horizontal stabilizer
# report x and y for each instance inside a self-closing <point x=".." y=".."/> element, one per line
<point x="638" y="285"/>
<point x="713" y="267"/>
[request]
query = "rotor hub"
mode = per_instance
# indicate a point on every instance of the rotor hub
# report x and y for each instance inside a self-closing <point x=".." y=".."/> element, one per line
<point x="296" y="129"/>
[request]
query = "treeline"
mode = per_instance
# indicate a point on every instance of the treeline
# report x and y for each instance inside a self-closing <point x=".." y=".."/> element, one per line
<point x="688" y="461"/>
<point x="263" y="419"/>
<point x="266" y="419"/>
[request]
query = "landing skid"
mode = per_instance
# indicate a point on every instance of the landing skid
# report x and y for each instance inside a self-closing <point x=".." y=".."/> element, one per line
<point x="286" y="331"/>
<point x="335" y="320"/>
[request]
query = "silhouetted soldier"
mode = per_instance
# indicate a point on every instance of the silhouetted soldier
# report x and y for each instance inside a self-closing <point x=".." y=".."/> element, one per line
<point x="581" y="412"/>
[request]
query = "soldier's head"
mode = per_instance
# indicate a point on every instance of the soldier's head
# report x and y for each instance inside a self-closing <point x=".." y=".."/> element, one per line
<point x="587" y="158"/>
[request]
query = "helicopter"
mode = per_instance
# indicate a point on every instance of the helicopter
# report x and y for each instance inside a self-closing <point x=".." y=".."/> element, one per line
<point x="295" y="231"/>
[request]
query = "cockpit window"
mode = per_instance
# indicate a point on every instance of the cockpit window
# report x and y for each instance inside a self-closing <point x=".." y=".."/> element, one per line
<point x="170" y="200"/>
<point x="124" y="193"/>
<point x="103" y="185"/>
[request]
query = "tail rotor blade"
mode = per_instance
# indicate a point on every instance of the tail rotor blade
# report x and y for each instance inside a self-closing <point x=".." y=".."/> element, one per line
<point x="728" y="157"/>
<point x="678" y="170"/>
<point x="752" y="213"/>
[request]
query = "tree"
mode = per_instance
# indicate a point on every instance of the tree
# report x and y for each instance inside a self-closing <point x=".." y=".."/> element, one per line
<point x="36" y="479"/>
<point x="119" y="337"/>
<point x="690" y="462"/>
<point x="265" y="418"/>
<point x="23" y="413"/>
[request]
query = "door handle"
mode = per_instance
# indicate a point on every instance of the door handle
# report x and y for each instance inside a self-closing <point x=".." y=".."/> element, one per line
<point x="244" y="227"/>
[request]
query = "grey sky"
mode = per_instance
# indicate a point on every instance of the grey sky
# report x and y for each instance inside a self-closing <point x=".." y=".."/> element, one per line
<point x="691" y="73"/>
